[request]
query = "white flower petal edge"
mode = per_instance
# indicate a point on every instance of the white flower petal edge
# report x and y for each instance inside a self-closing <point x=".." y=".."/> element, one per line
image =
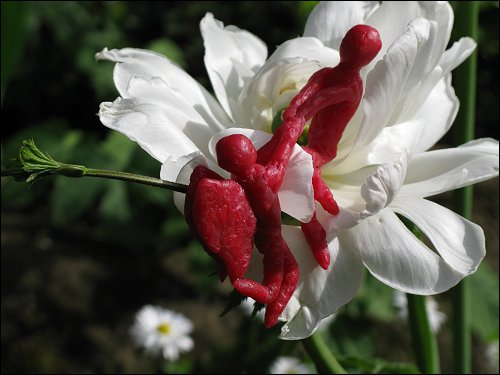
<point x="296" y="195"/>
<point x="397" y="258"/>
<point x="318" y="293"/>
<point x="319" y="23"/>
<point x="460" y="242"/>
<point x="376" y="192"/>
<point x="159" y="129"/>
<point x="161" y="107"/>
<point x="437" y="171"/>
<point x="232" y="56"/>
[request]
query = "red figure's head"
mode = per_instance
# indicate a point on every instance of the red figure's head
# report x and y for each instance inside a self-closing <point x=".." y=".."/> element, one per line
<point x="360" y="46"/>
<point x="236" y="153"/>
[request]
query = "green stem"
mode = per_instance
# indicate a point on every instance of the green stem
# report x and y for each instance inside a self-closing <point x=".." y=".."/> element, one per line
<point x="131" y="177"/>
<point x="464" y="81"/>
<point x="325" y="361"/>
<point x="70" y="170"/>
<point x="33" y="163"/>
<point x="424" y="341"/>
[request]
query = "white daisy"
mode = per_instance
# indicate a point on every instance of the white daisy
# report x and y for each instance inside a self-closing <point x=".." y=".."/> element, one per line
<point x="162" y="331"/>
<point x="288" y="365"/>
<point x="492" y="354"/>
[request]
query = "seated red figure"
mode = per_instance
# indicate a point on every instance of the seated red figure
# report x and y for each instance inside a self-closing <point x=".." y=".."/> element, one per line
<point x="229" y="216"/>
<point x="217" y="210"/>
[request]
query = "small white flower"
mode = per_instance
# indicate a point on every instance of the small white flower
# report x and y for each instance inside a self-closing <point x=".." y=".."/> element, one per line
<point x="436" y="317"/>
<point x="162" y="331"/>
<point x="288" y="365"/>
<point x="492" y="354"/>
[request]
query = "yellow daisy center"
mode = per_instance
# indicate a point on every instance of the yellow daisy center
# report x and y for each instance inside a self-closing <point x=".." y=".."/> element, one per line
<point x="163" y="328"/>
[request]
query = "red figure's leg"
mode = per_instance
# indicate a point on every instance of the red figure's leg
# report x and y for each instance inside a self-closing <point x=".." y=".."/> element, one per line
<point x="273" y="272"/>
<point x="316" y="237"/>
<point x="323" y="194"/>
<point x="290" y="280"/>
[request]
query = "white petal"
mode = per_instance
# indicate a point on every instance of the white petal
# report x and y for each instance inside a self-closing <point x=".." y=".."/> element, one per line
<point x="184" y="175"/>
<point x="330" y="20"/>
<point x="150" y="66"/>
<point x="437" y="171"/>
<point x="419" y="133"/>
<point x="379" y="187"/>
<point x="159" y="130"/>
<point x="457" y="54"/>
<point x="271" y="90"/>
<point x="311" y="49"/>
<point x="401" y="13"/>
<point x="171" y="167"/>
<point x="319" y="292"/>
<point x="296" y="194"/>
<point x="382" y="187"/>
<point x="459" y="241"/>
<point x="385" y="84"/>
<point x="397" y="258"/>
<point x="232" y="56"/>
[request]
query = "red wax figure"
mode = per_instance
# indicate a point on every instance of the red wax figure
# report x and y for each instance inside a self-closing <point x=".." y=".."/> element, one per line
<point x="330" y="98"/>
<point x="236" y="154"/>
<point x="229" y="216"/>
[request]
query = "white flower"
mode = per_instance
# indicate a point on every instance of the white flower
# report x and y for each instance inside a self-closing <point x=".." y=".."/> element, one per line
<point x="162" y="331"/>
<point x="288" y="365"/>
<point x="435" y="316"/>
<point x="383" y="166"/>
<point x="492" y="354"/>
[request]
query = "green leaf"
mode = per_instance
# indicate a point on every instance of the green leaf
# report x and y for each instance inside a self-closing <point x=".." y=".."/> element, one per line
<point x="182" y="366"/>
<point x="175" y="229"/>
<point x="168" y="48"/>
<point x="16" y="195"/>
<point x="14" y="31"/>
<point x="114" y="204"/>
<point x="118" y="151"/>
<point x="374" y="299"/>
<point x="71" y="198"/>
<point x="484" y="302"/>
<point x="377" y="366"/>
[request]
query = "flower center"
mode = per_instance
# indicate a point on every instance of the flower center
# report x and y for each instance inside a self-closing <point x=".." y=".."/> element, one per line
<point x="164" y="328"/>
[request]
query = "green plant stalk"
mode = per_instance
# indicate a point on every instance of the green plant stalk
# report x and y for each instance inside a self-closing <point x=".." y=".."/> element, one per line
<point x="70" y="170"/>
<point x="424" y="342"/>
<point x="131" y="177"/>
<point x="33" y="164"/>
<point x="464" y="81"/>
<point x="423" y="339"/>
<point x="325" y="361"/>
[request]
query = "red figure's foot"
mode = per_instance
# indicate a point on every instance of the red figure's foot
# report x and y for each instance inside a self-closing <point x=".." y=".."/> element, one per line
<point x="316" y="237"/>
<point x="290" y="280"/>
<point x="255" y="290"/>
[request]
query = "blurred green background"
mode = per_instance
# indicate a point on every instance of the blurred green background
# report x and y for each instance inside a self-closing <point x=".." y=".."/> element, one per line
<point x="81" y="257"/>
